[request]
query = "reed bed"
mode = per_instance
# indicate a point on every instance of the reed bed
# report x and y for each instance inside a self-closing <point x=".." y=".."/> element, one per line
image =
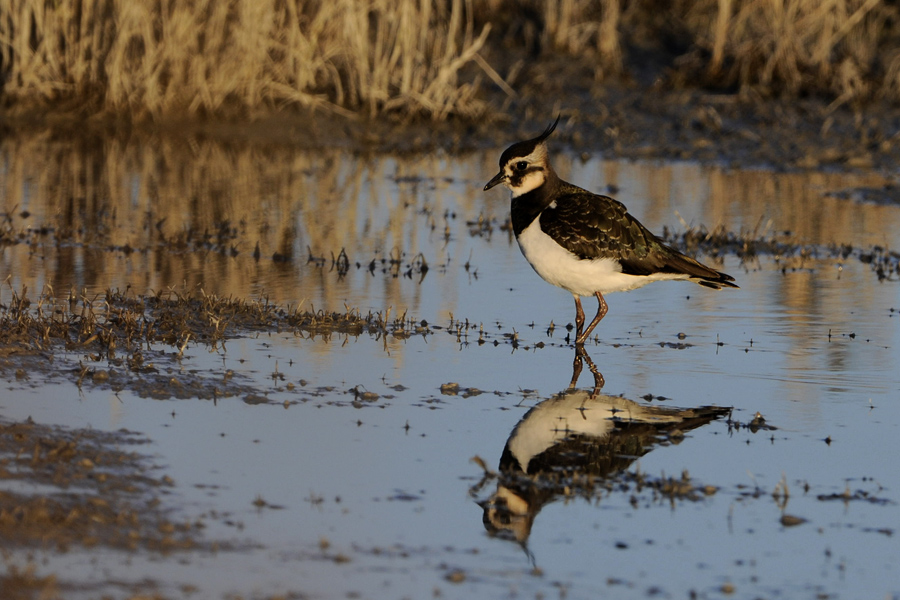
<point x="158" y="57"/>
<point x="848" y="50"/>
<point x="425" y="58"/>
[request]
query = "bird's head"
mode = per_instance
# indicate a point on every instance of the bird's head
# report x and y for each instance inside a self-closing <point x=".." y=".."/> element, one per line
<point x="524" y="166"/>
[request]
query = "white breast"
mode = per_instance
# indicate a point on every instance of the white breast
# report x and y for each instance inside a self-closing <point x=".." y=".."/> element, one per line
<point x="581" y="277"/>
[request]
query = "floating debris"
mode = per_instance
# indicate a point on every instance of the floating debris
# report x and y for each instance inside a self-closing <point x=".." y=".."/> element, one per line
<point x="791" y="520"/>
<point x="450" y="389"/>
<point x="857" y="496"/>
<point x="757" y="423"/>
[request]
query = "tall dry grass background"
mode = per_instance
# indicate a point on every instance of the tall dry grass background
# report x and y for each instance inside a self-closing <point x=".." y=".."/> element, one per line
<point x="846" y="49"/>
<point x="422" y="57"/>
<point x="201" y="56"/>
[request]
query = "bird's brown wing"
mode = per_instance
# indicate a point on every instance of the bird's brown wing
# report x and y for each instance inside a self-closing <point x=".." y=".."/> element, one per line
<point x="594" y="226"/>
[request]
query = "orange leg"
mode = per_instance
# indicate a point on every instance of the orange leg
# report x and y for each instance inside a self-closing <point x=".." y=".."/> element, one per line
<point x="579" y="318"/>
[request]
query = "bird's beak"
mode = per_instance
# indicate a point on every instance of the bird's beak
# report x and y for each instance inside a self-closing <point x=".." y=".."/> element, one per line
<point x="498" y="179"/>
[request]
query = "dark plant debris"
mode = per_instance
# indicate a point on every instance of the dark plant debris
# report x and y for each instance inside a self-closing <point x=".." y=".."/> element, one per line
<point x="757" y="423"/>
<point x="121" y="340"/>
<point x="787" y="252"/>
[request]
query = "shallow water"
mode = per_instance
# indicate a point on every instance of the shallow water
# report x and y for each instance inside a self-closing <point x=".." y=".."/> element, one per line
<point x="379" y="498"/>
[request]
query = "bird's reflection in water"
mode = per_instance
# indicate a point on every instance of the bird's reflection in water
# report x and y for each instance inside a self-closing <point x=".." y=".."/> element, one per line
<point x="581" y="356"/>
<point x="576" y="435"/>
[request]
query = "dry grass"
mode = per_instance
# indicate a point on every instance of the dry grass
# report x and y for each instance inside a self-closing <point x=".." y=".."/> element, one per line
<point x="156" y="58"/>
<point x="847" y="49"/>
<point x="585" y="27"/>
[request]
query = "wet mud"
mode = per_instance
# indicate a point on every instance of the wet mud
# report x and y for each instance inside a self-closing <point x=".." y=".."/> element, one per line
<point x="122" y="341"/>
<point x="641" y="118"/>
<point x="81" y="488"/>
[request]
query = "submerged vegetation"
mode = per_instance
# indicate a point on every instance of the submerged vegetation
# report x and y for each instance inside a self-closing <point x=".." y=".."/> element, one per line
<point x="464" y="58"/>
<point x="120" y="322"/>
<point x="122" y="340"/>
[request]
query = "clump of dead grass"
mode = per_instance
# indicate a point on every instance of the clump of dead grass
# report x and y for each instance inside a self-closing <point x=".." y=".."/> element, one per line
<point x="579" y="27"/>
<point x="155" y="58"/>
<point x="845" y="49"/>
<point x="424" y="57"/>
<point x="120" y="326"/>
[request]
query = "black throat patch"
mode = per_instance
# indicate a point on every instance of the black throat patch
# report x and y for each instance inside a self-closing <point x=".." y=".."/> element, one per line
<point x="525" y="209"/>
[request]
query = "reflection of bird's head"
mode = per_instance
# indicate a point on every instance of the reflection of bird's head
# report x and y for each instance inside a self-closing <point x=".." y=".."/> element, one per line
<point x="507" y="515"/>
<point x="525" y="166"/>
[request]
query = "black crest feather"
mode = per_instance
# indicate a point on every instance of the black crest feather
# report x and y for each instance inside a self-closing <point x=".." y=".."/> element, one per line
<point x="525" y="148"/>
<point x="548" y="131"/>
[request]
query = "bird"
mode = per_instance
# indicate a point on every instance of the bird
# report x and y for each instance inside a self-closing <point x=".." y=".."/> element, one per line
<point x="586" y="243"/>
<point x="577" y="436"/>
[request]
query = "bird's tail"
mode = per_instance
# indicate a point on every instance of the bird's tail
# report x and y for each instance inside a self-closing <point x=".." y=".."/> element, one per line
<point x="716" y="284"/>
<point x="699" y="273"/>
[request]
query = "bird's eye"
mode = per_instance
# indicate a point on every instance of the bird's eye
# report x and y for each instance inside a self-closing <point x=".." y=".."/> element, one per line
<point x="521" y="165"/>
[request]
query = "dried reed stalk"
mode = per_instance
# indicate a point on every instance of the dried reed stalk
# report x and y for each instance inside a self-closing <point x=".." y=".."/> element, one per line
<point x="839" y="47"/>
<point x="164" y="57"/>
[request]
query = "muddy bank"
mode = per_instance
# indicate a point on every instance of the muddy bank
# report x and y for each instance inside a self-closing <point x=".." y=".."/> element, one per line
<point x="124" y="341"/>
<point x="63" y="489"/>
<point x="616" y="119"/>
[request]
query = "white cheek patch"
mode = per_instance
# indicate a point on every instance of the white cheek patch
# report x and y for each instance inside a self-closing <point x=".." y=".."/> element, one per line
<point x="530" y="181"/>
